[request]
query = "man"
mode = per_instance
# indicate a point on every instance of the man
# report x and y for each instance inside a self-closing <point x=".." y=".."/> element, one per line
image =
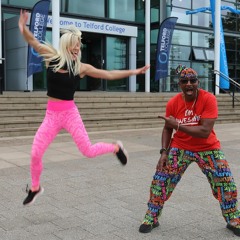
<point x="192" y="114"/>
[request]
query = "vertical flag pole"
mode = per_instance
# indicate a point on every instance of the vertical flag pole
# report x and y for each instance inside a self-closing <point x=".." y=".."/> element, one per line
<point x="147" y="43"/>
<point x="217" y="44"/>
<point x="55" y="23"/>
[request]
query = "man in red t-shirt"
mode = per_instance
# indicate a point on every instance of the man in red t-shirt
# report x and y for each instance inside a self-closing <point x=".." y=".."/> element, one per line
<point x="192" y="114"/>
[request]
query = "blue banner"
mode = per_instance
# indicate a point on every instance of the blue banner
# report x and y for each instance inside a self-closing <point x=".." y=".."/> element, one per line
<point x="224" y="83"/>
<point x="38" y="23"/>
<point x="163" y="47"/>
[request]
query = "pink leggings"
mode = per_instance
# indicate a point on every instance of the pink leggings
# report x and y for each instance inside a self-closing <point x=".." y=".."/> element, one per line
<point x="59" y="115"/>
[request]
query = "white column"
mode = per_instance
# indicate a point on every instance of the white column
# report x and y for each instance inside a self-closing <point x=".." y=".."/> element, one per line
<point x="147" y="43"/>
<point x="55" y="23"/>
<point x="217" y="43"/>
<point x="132" y="62"/>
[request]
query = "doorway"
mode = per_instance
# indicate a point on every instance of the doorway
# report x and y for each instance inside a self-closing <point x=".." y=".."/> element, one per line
<point x="92" y="53"/>
<point x="104" y="52"/>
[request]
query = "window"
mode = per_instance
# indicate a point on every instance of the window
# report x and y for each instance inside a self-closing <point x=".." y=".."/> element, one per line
<point x="202" y="39"/>
<point x="154" y="36"/>
<point x="40" y="78"/>
<point x="180" y="14"/>
<point x="205" y="75"/>
<point x="121" y="9"/>
<point x="22" y="3"/>
<point x="200" y="4"/>
<point x="155" y="10"/>
<point x="116" y="59"/>
<point x="199" y="54"/>
<point x="140" y="11"/>
<point x="8" y="15"/>
<point x="179" y="53"/>
<point x="209" y="54"/>
<point x="180" y="3"/>
<point x="91" y="8"/>
<point x="203" y="19"/>
<point x="181" y="37"/>
<point x="141" y="46"/>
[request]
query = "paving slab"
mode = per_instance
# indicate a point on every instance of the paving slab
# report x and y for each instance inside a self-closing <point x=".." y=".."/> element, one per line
<point x="99" y="199"/>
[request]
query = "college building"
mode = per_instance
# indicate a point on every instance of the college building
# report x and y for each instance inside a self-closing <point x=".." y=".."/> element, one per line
<point x="123" y="34"/>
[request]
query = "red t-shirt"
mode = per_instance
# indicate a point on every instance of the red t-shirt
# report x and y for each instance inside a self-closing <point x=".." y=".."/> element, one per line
<point x="190" y="114"/>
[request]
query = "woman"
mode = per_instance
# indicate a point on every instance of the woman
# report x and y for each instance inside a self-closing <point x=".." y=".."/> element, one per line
<point x="64" y="70"/>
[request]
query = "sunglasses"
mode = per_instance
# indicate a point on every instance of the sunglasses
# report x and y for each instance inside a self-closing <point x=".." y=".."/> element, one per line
<point x="185" y="81"/>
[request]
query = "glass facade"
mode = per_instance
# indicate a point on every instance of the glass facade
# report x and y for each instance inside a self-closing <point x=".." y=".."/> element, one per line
<point x="117" y="59"/>
<point x="39" y="79"/>
<point x="22" y="3"/>
<point x="195" y="47"/>
<point x="121" y="9"/>
<point x="192" y="42"/>
<point x="140" y="59"/>
<point x="80" y="7"/>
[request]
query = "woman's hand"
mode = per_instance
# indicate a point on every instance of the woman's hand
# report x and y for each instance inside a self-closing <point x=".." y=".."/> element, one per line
<point x="22" y="20"/>
<point x="28" y="35"/>
<point x="142" y="70"/>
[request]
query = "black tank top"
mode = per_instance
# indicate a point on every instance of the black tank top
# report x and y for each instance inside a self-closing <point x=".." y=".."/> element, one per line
<point x="61" y="85"/>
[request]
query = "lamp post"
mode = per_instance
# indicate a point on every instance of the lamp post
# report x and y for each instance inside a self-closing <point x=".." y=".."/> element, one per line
<point x="147" y="43"/>
<point x="217" y="44"/>
<point x="55" y="23"/>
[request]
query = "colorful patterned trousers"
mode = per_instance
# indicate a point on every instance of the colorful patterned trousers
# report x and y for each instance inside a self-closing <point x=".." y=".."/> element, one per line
<point x="213" y="164"/>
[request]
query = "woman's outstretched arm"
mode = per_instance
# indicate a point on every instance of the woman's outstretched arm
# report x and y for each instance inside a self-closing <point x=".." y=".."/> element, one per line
<point x="28" y="36"/>
<point x="89" y="70"/>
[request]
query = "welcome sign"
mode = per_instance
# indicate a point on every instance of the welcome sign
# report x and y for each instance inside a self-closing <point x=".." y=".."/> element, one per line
<point x="97" y="27"/>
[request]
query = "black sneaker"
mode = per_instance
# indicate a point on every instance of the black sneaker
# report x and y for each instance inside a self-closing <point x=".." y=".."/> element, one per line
<point x="235" y="230"/>
<point x="31" y="197"/>
<point x="145" y="228"/>
<point x="122" y="153"/>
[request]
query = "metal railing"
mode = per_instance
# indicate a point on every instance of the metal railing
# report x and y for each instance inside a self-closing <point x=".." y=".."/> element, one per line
<point x="235" y="85"/>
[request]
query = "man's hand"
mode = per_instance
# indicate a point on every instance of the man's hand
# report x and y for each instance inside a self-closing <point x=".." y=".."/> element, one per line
<point x="170" y="122"/>
<point x="162" y="162"/>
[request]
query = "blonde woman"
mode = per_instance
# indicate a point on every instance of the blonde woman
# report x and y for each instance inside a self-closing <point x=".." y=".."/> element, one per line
<point x="64" y="70"/>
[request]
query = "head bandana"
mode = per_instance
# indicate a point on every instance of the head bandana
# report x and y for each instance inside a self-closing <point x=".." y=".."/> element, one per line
<point x="186" y="73"/>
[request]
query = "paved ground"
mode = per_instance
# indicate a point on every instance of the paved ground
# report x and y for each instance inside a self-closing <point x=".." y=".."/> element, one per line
<point x="98" y="199"/>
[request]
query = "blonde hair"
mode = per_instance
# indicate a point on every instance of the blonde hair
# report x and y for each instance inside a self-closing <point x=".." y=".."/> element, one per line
<point x="70" y="37"/>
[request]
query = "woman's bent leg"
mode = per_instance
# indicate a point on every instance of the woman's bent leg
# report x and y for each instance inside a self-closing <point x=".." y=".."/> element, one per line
<point x="74" y="125"/>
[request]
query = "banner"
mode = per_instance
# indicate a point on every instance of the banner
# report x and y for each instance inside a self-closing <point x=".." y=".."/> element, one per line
<point x="224" y="83"/>
<point x="38" y="23"/>
<point x="163" y="47"/>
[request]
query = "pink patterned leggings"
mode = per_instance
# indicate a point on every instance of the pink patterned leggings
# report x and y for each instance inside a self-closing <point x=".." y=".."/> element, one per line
<point x="62" y="115"/>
